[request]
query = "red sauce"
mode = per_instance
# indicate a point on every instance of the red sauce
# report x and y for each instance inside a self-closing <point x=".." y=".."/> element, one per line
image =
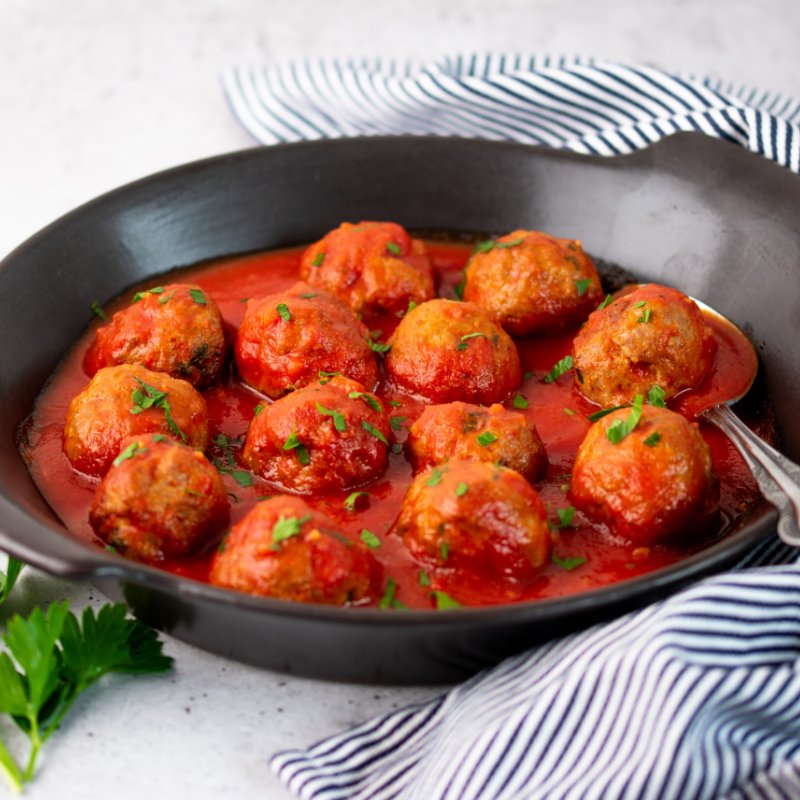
<point x="557" y="409"/>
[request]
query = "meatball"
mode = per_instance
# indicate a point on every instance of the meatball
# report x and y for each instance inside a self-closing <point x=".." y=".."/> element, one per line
<point x="175" y="329"/>
<point x="327" y="437"/>
<point x="159" y="499"/>
<point x="372" y="265"/>
<point x="287" y="339"/>
<point x="464" y="431"/>
<point x="533" y="283"/>
<point x="443" y="350"/>
<point x="476" y="516"/>
<point x="130" y="401"/>
<point x="653" y="335"/>
<point x="284" y="549"/>
<point x="654" y="484"/>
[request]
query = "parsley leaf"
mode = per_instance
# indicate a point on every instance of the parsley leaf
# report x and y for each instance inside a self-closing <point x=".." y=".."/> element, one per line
<point x="520" y="401"/>
<point x="568" y="564"/>
<point x="98" y="311"/>
<point x="352" y="500"/>
<point x="339" y="421"/>
<point x="619" y="429"/>
<point x="8" y="579"/>
<point x="562" y="366"/>
<point x="393" y="248"/>
<point x="653" y="439"/>
<point x="283" y="312"/>
<point x="294" y="443"/>
<point x="129" y="452"/>
<point x="52" y="657"/>
<point x="371" y="429"/>
<point x="464" y="342"/>
<point x="318" y="259"/>
<point x="150" y="397"/>
<point x="461" y="489"/>
<point x="435" y="477"/>
<point x="565" y="516"/>
<point x="657" y="397"/>
<point x="444" y="601"/>
<point x="198" y="296"/>
<point x="287" y="528"/>
<point x="458" y="289"/>
<point x="606" y="302"/>
<point x="397" y="423"/>
<point x="486" y="438"/>
<point x="155" y="290"/>
<point x="377" y="347"/>
<point x="370" y="539"/>
<point x="582" y="286"/>
<point x="368" y="399"/>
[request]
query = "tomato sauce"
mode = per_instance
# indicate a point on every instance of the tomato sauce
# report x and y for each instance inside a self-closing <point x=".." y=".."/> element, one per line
<point x="584" y="555"/>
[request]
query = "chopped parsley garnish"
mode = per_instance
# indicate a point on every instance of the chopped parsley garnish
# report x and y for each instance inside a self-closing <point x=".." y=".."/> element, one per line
<point x="374" y="431"/>
<point x="397" y="449"/>
<point x="159" y="437"/>
<point x="485" y="246"/>
<point x="528" y="374"/>
<point x="155" y="290"/>
<point x="582" y="286"/>
<point x="486" y="438"/>
<point x="150" y="397"/>
<point x="129" y="452"/>
<point x="569" y="412"/>
<point x="657" y="397"/>
<point x="645" y="315"/>
<point x="568" y="564"/>
<point x="286" y="528"/>
<point x="444" y="550"/>
<point x="283" y="312"/>
<point x="308" y="295"/>
<point x="258" y="409"/>
<point x="242" y="477"/>
<point x="377" y="347"/>
<point x="562" y="366"/>
<point x="491" y="244"/>
<point x="324" y="377"/>
<point x="606" y="302"/>
<point x="393" y="248"/>
<point x="293" y="443"/>
<point x="368" y="399"/>
<point x="198" y="296"/>
<point x="318" y="259"/>
<point x="388" y="594"/>
<point x="653" y="439"/>
<point x="370" y="539"/>
<point x="520" y="401"/>
<point x="619" y="429"/>
<point x="7" y="580"/>
<point x="424" y="579"/>
<point x="166" y="298"/>
<point x="352" y="500"/>
<point x="339" y="421"/>
<point x="639" y="304"/>
<point x="603" y="412"/>
<point x="435" y="477"/>
<point x="444" y="601"/>
<point x="221" y="440"/>
<point x="395" y="403"/>
<point x="565" y="516"/>
<point x="98" y="311"/>
<point x="461" y="489"/>
<point x="397" y="423"/>
<point x="458" y="289"/>
<point x="464" y="343"/>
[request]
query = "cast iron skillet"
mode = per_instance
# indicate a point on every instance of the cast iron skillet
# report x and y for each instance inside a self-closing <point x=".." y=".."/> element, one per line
<point x="702" y="215"/>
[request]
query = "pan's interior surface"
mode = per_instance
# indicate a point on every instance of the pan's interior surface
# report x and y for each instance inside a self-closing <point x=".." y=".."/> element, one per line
<point x="699" y="214"/>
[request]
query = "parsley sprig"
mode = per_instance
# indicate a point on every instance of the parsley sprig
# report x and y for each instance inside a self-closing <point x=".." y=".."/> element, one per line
<point x="619" y="428"/>
<point x="149" y="397"/>
<point x="9" y="578"/>
<point x="51" y="658"/>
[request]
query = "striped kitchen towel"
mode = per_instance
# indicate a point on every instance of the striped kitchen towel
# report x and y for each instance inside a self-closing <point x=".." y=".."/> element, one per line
<point x="697" y="696"/>
<point x="580" y="104"/>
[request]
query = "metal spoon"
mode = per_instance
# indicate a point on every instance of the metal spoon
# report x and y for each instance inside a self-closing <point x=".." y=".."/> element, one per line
<point x="778" y="477"/>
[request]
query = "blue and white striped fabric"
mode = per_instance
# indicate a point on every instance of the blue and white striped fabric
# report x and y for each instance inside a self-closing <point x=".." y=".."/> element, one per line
<point x="697" y="696"/>
<point x="580" y="104"/>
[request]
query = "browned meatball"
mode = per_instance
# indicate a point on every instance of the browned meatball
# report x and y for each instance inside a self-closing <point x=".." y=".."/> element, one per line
<point x="444" y="351"/>
<point x="465" y="431"/>
<point x="372" y="265"/>
<point x="287" y="339"/>
<point x="130" y="401"/>
<point x="175" y="329"/>
<point x="653" y="335"/>
<point x="657" y="483"/>
<point x="329" y="436"/>
<point x="476" y="516"/>
<point x="284" y="549"/>
<point x="158" y="500"/>
<point x="532" y="282"/>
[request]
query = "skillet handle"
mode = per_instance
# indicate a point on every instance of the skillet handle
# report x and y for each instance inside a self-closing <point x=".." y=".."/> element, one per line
<point x="777" y="477"/>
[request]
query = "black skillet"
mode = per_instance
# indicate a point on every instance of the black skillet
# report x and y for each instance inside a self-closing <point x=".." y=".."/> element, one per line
<point x="700" y="214"/>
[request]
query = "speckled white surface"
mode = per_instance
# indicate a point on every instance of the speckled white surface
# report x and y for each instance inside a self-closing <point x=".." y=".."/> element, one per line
<point x="94" y="94"/>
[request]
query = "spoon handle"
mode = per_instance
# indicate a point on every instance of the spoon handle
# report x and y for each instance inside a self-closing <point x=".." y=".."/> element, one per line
<point x="777" y="477"/>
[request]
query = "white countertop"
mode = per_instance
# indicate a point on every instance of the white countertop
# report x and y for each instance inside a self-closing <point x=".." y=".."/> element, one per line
<point x="94" y="94"/>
